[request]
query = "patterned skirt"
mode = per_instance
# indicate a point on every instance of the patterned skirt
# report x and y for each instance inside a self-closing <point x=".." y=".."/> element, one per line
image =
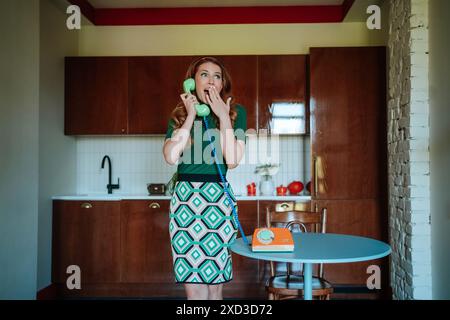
<point x="202" y="229"/>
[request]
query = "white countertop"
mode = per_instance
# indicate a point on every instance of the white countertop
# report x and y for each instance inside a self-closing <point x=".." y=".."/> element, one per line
<point x="118" y="197"/>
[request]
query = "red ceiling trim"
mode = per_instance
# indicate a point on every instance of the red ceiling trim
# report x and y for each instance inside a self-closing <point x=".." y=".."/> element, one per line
<point x="213" y="15"/>
<point x="86" y="9"/>
<point x="218" y="15"/>
<point x="346" y="5"/>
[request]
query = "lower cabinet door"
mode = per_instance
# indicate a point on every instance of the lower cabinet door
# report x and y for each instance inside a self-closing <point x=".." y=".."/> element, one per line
<point x="245" y="270"/>
<point x="245" y="282"/>
<point x="145" y="249"/>
<point x="86" y="235"/>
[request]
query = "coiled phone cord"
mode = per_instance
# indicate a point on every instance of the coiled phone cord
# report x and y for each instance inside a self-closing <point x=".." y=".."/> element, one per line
<point x="236" y="218"/>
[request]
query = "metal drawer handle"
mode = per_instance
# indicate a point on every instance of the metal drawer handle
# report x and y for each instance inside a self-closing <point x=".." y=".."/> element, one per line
<point x="284" y="205"/>
<point x="154" y="205"/>
<point x="86" y="205"/>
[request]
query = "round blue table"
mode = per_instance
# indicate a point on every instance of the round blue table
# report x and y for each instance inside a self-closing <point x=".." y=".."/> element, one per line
<point x="310" y="248"/>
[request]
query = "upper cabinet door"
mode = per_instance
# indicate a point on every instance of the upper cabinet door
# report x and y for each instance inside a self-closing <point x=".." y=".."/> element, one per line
<point x="96" y="95"/>
<point x="348" y="122"/>
<point x="242" y="70"/>
<point x="282" y="102"/>
<point x="155" y="86"/>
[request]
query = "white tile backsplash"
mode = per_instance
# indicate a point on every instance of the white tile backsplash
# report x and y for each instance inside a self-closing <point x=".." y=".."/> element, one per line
<point x="139" y="160"/>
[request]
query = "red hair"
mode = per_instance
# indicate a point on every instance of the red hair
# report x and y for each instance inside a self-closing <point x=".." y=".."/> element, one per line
<point x="179" y="114"/>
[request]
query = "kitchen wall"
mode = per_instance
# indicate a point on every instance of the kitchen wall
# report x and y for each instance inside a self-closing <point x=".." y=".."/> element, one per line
<point x="139" y="160"/>
<point x="37" y="160"/>
<point x="408" y="151"/>
<point x="439" y="78"/>
<point x="19" y="132"/>
<point x="57" y="152"/>
<point x="224" y="39"/>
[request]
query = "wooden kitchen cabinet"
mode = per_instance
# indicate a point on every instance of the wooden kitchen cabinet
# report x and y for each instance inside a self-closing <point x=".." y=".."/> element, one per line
<point x="349" y="149"/>
<point x="245" y="269"/>
<point x="348" y="123"/>
<point x="145" y="242"/>
<point x="146" y="251"/>
<point x="366" y="218"/>
<point x="96" y="95"/>
<point x="243" y="70"/>
<point x="155" y="85"/>
<point x="136" y="95"/>
<point x="262" y="206"/>
<point x="246" y="282"/>
<point x="86" y="234"/>
<point x="282" y="78"/>
<point x="264" y="266"/>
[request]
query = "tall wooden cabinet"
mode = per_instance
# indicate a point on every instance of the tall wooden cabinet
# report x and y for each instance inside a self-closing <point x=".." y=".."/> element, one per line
<point x="348" y="122"/>
<point x="360" y="217"/>
<point x="349" y="149"/>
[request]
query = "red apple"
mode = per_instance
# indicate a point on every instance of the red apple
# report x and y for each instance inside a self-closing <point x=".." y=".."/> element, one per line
<point x="295" y="187"/>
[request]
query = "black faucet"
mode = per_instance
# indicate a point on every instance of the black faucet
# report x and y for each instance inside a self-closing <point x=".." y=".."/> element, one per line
<point x="110" y="186"/>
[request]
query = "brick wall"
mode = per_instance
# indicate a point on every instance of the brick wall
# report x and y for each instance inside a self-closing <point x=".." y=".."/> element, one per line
<point x="408" y="144"/>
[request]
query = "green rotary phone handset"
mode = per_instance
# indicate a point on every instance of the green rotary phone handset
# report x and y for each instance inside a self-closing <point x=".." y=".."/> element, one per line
<point x="188" y="87"/>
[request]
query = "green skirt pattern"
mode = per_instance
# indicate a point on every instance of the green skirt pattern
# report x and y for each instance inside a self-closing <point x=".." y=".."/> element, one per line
<point x="202" y="229"/>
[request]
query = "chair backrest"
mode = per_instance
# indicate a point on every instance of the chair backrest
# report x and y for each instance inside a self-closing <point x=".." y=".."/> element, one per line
<point x="307" y="221"/>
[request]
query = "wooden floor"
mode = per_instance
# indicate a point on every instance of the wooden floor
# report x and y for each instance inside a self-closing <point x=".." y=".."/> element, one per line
<point x="176" y="292"/>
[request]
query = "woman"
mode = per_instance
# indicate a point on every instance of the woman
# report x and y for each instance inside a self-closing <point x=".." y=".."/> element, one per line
<point x="201" y="219"/>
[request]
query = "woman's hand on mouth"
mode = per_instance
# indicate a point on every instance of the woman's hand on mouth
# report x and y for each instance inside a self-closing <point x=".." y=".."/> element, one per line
<point x="218" y="106"/>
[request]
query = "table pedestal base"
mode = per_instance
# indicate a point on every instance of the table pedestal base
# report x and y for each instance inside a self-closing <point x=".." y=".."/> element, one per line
<point x="307" y="278"/>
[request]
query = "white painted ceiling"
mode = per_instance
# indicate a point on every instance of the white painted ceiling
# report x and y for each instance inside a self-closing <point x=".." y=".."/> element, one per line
<point x="206" y="3"/>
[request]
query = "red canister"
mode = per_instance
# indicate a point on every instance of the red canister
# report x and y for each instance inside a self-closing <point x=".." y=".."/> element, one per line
<point x="281" y="190"/>
<point x="251" y="189"/>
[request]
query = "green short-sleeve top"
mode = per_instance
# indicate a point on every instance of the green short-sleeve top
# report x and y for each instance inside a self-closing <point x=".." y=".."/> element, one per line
<point x="201" y="161"/>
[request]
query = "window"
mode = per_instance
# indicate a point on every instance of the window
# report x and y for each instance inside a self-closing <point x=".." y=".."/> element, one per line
<point x="287" y="118"/>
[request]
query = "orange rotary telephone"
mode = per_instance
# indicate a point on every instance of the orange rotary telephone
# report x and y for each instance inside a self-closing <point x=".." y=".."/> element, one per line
<point x="272" y="240"/>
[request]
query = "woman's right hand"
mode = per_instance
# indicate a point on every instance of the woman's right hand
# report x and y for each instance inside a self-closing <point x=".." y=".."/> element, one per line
<point x="189" y="101"/>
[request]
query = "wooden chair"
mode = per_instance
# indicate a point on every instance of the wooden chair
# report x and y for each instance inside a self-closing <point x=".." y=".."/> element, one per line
<point x="289" y="285"/>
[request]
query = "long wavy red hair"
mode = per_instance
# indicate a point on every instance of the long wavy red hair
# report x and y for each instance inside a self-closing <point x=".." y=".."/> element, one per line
<point x="179" y="114"/>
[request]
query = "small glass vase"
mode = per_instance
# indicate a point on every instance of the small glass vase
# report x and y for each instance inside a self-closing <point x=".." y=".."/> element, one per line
<point x="266" y="186"/>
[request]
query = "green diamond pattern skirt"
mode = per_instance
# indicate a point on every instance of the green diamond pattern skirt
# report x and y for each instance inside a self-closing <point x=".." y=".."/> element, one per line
<point x="202" y="229"/>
